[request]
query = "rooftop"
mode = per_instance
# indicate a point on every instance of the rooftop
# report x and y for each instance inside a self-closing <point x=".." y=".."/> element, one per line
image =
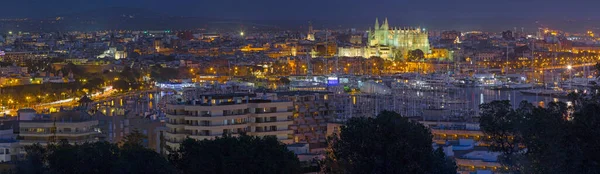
<point x="297" y="145"/>
<point x="64" y="116"/>
<point x="289" y="93"/>
<point x="227" y="96"/>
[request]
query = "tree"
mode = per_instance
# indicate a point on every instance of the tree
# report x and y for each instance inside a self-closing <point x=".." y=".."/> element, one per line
<point x="133" y="139"/>
<point x="398" y="55"/>
<point x="284" y="80"/>
<point x="93" y="158"/>
<point x="121" y="85"/>
<point x="34" y="160"/>
<point x="416" y="55"/>
<point x="388" y="143"/>
<point x="227" y="154"/>
<point x="129" y="74"/>
<point x="553" y="139"/>
<point x="164" y="74"/>
<point x="93" y="83"/>
<point x="500" y="122"/>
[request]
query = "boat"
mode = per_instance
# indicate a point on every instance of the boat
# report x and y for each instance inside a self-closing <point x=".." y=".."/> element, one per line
<point x="513" y="86"/>
<point x="545" y="92"/>
<point x="487" y="80"/>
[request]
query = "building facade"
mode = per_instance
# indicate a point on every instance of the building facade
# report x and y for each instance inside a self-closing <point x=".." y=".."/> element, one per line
<point x="73" y="126"/>
<point x="312" y="111"/>
<point x="213" y="115"/>
<point x="351" y="52"/>
<point x="393" y="43"/>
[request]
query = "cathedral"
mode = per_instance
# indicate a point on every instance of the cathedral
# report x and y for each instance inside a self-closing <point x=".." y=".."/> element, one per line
<point x="395" y="43"/>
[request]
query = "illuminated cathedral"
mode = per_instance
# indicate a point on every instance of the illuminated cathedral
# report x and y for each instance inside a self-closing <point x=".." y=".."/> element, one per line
<point x="395" y="43"/>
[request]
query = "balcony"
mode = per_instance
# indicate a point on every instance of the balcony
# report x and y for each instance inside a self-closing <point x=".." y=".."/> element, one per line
<point x="62" y="134"/>
<point x="233" y="113"/>
<point x="280" y="122"/>
<point x="181" y="133"/>
<point x="274" y="114"/>
<point x="202" y="137"/>
<point x="217" y="126"/>
<point x="174" y="116"/>
<point x="216" y="117"/>
<point x="178" y="141"/>
<point x="276" y="132"/>
<point x="44" y="142"/>
<point x="209" y="136"/>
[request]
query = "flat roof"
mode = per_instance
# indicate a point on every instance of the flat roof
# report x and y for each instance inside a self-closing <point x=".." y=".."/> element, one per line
<point x="226" y="96"/>
<point x="288" y="93"/>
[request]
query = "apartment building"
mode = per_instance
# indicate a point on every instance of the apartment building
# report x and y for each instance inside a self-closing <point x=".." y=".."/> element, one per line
<point x="312" y="111"/>
<point x="9" y="145"/>
<point x="73" y="126"/>
<point x="212" y="115"/>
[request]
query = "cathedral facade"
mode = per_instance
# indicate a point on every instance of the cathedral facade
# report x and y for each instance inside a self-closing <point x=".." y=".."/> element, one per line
<point x="395" y="43"/>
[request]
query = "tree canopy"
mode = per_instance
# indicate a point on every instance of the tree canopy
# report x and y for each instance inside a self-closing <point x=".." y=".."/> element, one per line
<point x="164" y="74"/>
<point x="99" y="157"/>
<point x="416" y="55"/>
<point x="554" y="139"/>
<point x="228" y="154"/>
<point x="388" y="143"/>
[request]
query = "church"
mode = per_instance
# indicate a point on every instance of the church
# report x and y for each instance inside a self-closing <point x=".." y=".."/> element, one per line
<point x="395" y="43"/>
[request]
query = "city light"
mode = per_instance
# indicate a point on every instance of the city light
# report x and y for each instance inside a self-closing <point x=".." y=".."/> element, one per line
<point x="94" y="81"/>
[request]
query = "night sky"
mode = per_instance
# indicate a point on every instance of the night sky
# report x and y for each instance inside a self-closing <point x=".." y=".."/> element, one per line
<point x="435" y="13"/>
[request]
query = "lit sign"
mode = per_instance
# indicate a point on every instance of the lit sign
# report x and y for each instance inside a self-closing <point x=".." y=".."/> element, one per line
<point x="333" y="81"/>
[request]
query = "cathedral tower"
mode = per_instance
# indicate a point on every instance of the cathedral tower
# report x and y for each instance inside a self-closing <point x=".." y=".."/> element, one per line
<point x="311" y="33"/>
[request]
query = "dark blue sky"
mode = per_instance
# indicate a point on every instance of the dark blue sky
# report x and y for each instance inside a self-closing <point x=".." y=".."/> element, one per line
<point x="332" y="9"/>
<point x="413" y="12"/>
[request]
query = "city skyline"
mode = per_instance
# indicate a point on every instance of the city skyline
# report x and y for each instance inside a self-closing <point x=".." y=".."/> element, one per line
<point x="232" y="86"/>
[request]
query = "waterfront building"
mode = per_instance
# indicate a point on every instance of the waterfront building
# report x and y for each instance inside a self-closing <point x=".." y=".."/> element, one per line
<point x="213" y="115"/>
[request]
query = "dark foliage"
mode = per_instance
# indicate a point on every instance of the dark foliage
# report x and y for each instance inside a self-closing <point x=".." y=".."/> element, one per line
<point x="389" y="143"/>
<point x="227" y="154"/>
<point x="554" y="139"/>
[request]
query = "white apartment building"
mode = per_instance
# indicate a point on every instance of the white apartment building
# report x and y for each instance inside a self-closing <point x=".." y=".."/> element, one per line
<point x="74" y="126"/>
<point x="210" y="116"/>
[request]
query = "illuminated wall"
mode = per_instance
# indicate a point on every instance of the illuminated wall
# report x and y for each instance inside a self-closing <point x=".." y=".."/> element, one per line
<point x="392" y="42"/>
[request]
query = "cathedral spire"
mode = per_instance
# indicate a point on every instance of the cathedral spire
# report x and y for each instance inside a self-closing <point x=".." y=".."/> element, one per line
<point x="386" y="26"/>
<point x="376" y="24"/>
